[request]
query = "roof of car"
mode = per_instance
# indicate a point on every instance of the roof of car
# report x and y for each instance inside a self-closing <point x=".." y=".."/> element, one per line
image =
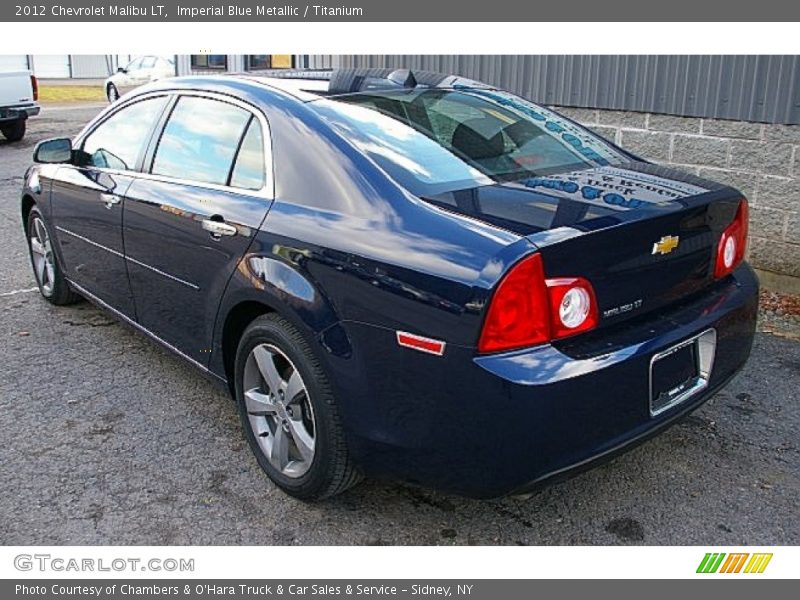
<point x="310" y="84"/>
<point x="305" y="85"/>
<point x="305" y="89"/>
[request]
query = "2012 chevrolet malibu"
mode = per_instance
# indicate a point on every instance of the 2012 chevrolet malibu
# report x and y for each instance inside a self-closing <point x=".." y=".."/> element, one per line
<point x="400" y="274"/>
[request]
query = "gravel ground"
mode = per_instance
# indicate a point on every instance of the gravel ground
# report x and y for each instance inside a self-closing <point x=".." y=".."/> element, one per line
<point x="780" y="314"/>
<point x="107" y="439"/>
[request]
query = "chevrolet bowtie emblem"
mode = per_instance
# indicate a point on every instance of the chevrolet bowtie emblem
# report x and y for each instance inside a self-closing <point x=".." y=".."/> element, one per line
<point x="666" y="244"/>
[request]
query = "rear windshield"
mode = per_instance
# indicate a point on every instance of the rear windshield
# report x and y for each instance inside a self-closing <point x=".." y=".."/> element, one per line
<point x="434" y="140"/>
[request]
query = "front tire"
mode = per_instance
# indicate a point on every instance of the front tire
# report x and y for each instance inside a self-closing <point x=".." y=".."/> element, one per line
<point x="15" y="131"/>
<point x="49" y="276"/>
<point x="288" y="412"/>
<point x="112" y="93"/>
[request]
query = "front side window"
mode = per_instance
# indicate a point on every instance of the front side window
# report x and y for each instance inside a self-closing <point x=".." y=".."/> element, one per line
<point x="135" y="64"/>
<point x="148" y="62"/>
<point x="117" y="142"/>
<point x="200" y="140"/>
<point x="437" y="140"/>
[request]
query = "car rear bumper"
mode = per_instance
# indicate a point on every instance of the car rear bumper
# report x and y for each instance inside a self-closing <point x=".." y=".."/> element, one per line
<point x="628" y="443"/>
<point x="491" y="425"/>
<point x="14" y="113"/>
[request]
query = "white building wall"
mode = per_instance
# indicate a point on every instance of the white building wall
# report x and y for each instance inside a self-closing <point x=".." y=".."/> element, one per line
<point x="92" y="66"/>
<point x="55" y="66"/>
<point x="13" y="62"/>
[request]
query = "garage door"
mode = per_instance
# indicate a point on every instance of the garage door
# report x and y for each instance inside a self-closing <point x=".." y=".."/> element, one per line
<point x="51" y="65"/>
<point x="13" y="62"/>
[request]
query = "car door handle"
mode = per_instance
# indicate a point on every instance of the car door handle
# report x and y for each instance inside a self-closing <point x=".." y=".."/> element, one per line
<point x="218" y="228"/>
<point x="110" y="199"/>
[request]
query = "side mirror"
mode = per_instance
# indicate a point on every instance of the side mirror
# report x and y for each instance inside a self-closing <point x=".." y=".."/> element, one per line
<point x="57" y="150"/>
<point x="122" y="70"/>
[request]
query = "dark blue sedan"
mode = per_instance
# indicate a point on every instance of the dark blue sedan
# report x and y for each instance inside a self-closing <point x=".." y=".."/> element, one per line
<point x="397" y="274"/>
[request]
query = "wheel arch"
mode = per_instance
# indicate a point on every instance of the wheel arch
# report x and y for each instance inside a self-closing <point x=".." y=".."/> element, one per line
<point x="26" y="205"/>
<point x="242" y="307"/>
<point x="236" y="321"/>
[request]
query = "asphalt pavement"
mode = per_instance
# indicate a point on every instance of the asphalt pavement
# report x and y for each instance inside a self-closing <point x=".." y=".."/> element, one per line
<point x="107" y="439"/>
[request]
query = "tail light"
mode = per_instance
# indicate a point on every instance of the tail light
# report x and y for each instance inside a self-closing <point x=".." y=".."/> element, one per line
<point x="35" y="87"/>
<point x="732" y="243"/>
<point x="573" y="307"/>
<point x="527" y="309"/>
<point x="519" y="312"/>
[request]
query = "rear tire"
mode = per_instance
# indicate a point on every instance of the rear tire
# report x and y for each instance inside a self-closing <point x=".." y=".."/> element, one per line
<point x="46" y="269"/>
<point x="15" y="131"/>
<point x="302" y="425"/>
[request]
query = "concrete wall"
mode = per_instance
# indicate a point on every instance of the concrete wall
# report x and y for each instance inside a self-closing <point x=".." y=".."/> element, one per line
<point x="761" y="160"/>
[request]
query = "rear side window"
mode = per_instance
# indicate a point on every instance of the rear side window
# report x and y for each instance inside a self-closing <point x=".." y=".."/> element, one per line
<point x="117" y="142"/>
<point x="248" y="172"/>
<point x="200" y="140"/>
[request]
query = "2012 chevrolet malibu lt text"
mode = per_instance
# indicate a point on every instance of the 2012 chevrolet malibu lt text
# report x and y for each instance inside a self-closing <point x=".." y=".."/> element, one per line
<point x="400" y="274"/>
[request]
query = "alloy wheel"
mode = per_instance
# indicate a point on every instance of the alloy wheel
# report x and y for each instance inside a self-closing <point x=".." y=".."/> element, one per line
<point x="279" y="410"/>
<point x="42" y="253"/>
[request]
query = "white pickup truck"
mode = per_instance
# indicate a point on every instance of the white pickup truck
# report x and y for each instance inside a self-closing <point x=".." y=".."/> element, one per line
<point x="19" y="93"/>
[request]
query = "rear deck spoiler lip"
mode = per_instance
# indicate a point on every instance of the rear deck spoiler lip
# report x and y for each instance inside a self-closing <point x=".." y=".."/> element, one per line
<point x="549" y="237"/>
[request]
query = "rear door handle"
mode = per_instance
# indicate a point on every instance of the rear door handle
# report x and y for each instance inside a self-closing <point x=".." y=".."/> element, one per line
<point x="110" y="199"/>
<point x="218" y="228"/>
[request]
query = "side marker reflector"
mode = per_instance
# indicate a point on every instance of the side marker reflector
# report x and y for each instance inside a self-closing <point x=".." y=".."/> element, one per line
<point x="423" y="344"/>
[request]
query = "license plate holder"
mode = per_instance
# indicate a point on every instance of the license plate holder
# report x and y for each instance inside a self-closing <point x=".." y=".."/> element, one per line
<point x="681" y="371"/>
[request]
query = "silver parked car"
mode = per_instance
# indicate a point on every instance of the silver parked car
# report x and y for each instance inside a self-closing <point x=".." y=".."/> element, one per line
<point x="141" y="70"/>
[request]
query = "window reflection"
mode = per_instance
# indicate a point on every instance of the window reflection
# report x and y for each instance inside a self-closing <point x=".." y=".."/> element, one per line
<point x="436" y="140"/>
<point x="414" y="159"/>
<point x="200" y="140"/>
<point x="117" y="142"/>
<point x="248" y="173"/>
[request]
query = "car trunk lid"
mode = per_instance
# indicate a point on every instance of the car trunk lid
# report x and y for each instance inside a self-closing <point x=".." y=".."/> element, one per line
<point x="644" y="236"/>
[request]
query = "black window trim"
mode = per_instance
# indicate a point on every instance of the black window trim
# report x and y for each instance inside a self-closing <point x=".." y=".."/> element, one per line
<point x="232" y="168"/>
<point x="144" y="161"/>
